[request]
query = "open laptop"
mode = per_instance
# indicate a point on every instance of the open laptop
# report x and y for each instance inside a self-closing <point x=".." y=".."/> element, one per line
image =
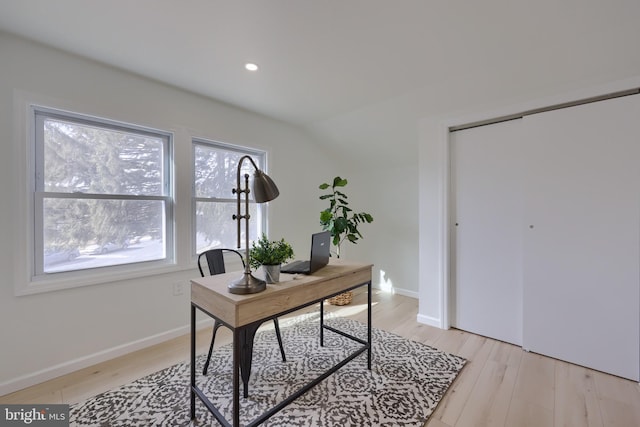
<point x="320" y="252"/>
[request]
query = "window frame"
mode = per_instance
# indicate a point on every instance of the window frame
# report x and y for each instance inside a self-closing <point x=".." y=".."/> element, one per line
<point x="259" y="156"/>
<point x="44" y="281"/>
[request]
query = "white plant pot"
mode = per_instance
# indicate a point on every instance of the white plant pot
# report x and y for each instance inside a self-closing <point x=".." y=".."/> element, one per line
<point x="271" y="273"/>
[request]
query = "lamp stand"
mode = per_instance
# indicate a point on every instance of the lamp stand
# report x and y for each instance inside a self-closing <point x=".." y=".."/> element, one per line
<point x="247" y="284"/>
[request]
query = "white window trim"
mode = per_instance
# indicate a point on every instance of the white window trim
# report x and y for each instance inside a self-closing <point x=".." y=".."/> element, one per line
<point x="263" y="208"/>
<point x="25" y="280"/>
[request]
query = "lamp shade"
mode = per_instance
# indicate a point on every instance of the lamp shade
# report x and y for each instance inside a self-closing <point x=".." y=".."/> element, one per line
<point x="264" y="189"/>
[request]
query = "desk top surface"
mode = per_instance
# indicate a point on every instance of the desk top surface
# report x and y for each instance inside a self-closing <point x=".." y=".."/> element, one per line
<point x="211" y="294"/>
<point x="218" y="283"/>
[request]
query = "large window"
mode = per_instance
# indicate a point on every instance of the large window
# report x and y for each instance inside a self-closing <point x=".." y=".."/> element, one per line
<point x="102" y="193"/>
<point x="215" y="176"/>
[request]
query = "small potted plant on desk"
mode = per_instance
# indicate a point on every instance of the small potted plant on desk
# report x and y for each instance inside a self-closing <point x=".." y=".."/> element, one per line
<point x="270" y="254"/>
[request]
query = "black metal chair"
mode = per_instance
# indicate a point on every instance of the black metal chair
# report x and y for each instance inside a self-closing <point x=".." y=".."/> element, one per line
<point x="215" y="262"/>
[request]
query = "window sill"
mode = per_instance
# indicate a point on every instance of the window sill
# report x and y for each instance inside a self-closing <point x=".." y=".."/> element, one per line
<point x="75" y="279"/>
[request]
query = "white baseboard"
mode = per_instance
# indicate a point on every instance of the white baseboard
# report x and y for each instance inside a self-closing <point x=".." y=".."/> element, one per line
<point x="405" y="292"/>
<point x="398" y="291"/>
<point x="43" y="375"/>
<point x="428" y="320"/>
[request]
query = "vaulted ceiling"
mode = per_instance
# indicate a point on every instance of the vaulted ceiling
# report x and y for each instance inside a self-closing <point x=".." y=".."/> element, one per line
<point x="357" y="74"/>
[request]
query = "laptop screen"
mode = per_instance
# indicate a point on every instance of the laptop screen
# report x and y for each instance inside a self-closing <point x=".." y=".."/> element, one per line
<point x="320" y="250"/>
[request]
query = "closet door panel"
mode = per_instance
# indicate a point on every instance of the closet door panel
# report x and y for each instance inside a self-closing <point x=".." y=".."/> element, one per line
<point x="582" y="235"/>
<point x="486" y="273"/>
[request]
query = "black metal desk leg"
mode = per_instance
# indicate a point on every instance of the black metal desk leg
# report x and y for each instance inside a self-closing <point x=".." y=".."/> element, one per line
<point x="369" y="325"/>
<point x="193" y="361"/>
<point x="237" y="350"/>
<point x="322" y="323"/>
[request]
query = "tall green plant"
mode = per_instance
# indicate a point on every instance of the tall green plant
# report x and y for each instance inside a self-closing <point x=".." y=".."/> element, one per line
<point x="339" y="218"/>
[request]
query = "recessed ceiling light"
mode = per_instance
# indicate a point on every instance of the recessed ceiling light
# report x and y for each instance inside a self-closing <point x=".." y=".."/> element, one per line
<point x="251" y="66"/>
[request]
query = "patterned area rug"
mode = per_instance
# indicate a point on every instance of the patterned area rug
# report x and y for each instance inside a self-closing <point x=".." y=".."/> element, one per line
<point x="406" y="382"/>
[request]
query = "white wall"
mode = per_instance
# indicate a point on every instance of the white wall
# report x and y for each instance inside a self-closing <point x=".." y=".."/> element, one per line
<point x="55" y="332"/>
<point x="387" y="191"/>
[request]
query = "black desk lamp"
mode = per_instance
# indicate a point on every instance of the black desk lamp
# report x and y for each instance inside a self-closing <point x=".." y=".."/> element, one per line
<point x="264" y="190"/>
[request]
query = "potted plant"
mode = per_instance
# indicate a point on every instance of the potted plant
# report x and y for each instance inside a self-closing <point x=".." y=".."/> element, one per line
<point x="342" y="222"/>
<point x="339" y="218"/>
<point x="270" y="254"/>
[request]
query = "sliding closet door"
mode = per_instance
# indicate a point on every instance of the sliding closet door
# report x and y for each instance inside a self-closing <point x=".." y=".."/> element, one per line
<point x="582" y="235"/>
<point x="486" y="235"/>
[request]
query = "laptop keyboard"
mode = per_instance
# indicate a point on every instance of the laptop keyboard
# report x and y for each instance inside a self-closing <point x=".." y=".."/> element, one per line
<point x="296" y="267"/>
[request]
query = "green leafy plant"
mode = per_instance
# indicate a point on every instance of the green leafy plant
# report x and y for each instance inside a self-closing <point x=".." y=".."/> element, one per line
<point x="339" y="218"/>
<point x="269" y="252"/>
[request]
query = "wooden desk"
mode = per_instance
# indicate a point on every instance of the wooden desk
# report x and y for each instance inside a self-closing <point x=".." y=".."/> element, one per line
<point x="243" y="314"/>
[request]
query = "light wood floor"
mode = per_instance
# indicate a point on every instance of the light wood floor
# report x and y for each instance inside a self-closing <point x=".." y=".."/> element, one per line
<point x="501" y="385"/>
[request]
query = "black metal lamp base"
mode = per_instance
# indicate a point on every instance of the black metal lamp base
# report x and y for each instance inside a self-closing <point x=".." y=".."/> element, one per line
<point x="247" y="284"/>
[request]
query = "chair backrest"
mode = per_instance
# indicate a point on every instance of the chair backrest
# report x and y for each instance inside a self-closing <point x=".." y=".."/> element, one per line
<point x="215" y="260"/>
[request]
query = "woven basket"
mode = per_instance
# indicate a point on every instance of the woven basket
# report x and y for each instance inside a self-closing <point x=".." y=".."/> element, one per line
<point x="342" y="299"/>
